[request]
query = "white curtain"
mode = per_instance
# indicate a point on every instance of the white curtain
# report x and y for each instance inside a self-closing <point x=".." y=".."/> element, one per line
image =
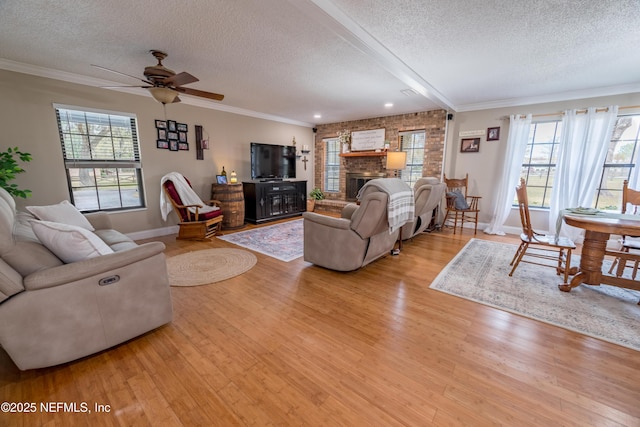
<point x="583" y="149"/>
<point x="519" y="129"/>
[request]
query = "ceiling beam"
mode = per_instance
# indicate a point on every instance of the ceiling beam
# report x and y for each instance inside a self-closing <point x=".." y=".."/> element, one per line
<point x="333" y="18"/>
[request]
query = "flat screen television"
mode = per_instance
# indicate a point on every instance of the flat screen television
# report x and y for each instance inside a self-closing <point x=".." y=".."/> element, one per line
<point x="272" y="162"/>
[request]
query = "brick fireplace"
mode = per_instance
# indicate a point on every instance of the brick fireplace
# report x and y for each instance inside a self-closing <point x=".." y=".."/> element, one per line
<point x="357" y="168"/>
<point x="355" y="181"/>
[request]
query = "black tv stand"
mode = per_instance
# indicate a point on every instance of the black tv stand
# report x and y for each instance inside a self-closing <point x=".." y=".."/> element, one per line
<point x="271" y="180"/>
<point x="267" y="201"/>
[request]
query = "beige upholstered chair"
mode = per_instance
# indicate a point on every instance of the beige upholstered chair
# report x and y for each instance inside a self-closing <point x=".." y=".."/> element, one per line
<point x="53" y="312"/>
<point x="427" y="194"/>
<point x="359" y="237"/>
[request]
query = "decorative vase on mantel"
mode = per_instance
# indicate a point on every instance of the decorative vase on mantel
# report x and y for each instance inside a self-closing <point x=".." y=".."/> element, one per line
<point x="344" y="138"/>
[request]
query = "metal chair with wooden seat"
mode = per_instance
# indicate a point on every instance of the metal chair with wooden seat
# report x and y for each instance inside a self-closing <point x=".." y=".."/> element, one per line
<point x="630" y="205"/>
<point x="534" y="245"/>
<point x="460" y="206"/>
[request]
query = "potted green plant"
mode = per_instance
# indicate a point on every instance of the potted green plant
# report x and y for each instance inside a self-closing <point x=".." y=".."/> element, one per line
<point x="9" y="168"/>
<point x="316" y="194"/>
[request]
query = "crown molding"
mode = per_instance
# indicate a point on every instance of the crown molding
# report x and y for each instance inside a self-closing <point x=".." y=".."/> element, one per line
<point x="556" y="97"/>
<point x="35" y="70"/>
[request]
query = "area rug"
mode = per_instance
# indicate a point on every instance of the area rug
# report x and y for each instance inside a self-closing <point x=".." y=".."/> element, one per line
<point x="208" y="266"/>
<point x="480" y="273"/>
<point x="283" y="241"/>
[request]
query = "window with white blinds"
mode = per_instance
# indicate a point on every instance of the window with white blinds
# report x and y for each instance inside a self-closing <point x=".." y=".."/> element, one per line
<point x="102" y="159"/>
<point x="332" y="165"/>
<point x="412" y="142"/>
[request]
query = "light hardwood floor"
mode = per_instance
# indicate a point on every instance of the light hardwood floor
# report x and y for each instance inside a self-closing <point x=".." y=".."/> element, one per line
<point x="294" y="344"/>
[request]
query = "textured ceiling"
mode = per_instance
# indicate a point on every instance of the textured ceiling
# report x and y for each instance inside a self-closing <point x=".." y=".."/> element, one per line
<point x="342" y="59"/>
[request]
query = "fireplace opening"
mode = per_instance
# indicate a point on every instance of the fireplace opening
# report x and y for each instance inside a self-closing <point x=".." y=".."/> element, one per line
<point x="355" y="181"/>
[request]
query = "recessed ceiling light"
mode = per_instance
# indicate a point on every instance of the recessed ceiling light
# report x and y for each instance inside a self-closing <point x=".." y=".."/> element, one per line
<point x="317" y="116"/>
<point x="388" y="105"/>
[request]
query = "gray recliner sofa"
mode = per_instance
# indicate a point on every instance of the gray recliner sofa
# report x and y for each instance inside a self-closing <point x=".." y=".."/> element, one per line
<point x="428" y="192"/>
<point x="52" y="312"/>
<point x="360" y="236"/>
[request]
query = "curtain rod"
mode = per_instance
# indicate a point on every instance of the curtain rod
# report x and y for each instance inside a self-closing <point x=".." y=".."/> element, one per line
<point x="582" y="111"/>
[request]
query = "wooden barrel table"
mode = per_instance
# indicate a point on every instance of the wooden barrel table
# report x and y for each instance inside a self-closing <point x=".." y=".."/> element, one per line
<point x="231" y="199"/>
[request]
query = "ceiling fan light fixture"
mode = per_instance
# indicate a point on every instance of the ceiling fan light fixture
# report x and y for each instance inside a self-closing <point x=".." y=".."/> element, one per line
<point x="163" y="95"/>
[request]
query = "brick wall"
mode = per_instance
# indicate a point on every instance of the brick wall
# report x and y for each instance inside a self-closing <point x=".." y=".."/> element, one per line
<point x="433" y="122"/>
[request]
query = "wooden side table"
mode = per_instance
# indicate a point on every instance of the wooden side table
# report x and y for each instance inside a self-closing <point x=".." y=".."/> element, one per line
<point x="231" y="199"/>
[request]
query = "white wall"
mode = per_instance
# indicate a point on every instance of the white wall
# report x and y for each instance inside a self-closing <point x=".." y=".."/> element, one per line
<point x="485" y="167"/>
<point x="27" y="120"/>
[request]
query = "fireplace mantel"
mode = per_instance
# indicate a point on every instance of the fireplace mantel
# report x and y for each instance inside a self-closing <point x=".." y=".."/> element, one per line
<point x="364" y="154"/>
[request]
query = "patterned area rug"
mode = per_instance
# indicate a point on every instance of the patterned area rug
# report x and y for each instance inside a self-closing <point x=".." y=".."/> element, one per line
<point x="282" y="241"/>
<point x="208" y="266"/>
<point x="480" y="273"/>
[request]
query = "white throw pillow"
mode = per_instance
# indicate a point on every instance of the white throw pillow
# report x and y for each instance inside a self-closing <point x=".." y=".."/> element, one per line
<point x="64" y="213"/>
<point x="69" y="242"/>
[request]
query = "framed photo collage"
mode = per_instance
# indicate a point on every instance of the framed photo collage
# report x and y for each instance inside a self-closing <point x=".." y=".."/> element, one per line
<point x="172" y="136"/>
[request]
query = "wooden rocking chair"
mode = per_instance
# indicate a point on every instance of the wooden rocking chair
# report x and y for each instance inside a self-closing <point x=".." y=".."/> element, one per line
<point x="193" y="224"/>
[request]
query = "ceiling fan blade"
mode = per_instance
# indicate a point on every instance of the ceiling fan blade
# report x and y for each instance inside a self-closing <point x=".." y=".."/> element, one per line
<point x="200" y="93"/>
<point x="122" y="74"/>
<point x="117" y="87"/>
<point x="180" y="79"/>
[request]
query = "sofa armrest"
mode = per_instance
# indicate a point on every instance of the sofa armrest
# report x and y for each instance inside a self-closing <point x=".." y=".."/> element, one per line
<point x="90" y="267"/>
<point x="329" y="221"/>
<point x="99" y="220"/>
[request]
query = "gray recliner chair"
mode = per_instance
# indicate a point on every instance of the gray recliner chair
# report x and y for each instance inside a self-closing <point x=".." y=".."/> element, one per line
<point x="359" y="237"/>
<point x="428" y="192"/>
<point x="52" y="312"/>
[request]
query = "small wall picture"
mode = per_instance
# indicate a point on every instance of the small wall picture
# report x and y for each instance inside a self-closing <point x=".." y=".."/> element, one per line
<point x="172" y="135"/>
<point x="171" y="125"/>
<point x="161" y="124"/>
<point x="181" y="127"/>
<point x="183" y="146"/>
<point x="204" y="144"/>
<point x="162" y="144"/>
<point x="182" y="136"/>
<point x="493" y="134"/>
<point x="173" y="144"/>
<point x="470" y="145"/>
<point x="162" y="134"/>
<point x="221" y="179"/>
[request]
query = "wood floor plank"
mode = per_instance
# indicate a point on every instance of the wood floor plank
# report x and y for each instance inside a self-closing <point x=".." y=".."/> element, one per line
<point x="289" y="343"/>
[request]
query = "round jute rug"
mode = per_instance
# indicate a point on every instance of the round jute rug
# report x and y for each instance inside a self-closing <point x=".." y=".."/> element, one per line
<point x="208" y="266"/>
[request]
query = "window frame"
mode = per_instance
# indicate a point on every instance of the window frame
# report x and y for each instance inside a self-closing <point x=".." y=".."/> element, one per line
<point x="550" y="166"/>
<point x="413" y="154"/>
<point x="73" y="162"/>
<point x="331" y="179"/>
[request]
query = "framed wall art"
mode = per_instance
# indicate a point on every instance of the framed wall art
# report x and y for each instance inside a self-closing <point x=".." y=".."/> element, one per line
<point x="470" y="145"/>
<point x="161" y="124"/>
<point x="162" y="144"/>
<point x="181" y="127"/>
<point x="493" y="134"/>
<point x="173" y="144"/>
<point x="183" y="146"/>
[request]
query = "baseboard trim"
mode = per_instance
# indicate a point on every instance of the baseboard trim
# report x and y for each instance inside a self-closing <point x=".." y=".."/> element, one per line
<point x="155" y="232"/>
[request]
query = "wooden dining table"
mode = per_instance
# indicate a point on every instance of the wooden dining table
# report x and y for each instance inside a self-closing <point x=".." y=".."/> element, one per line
<point x="598" y="229"/>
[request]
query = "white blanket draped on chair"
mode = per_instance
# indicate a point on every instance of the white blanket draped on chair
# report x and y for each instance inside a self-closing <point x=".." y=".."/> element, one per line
<point x="186" y="193"/>
<point x="401" y="207"/>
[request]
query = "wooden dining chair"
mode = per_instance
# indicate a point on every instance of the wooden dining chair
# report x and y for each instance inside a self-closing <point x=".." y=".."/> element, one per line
<point x="630" y="205"/>
<point x="537" y="246"/>
<point x="461" y="207"/>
